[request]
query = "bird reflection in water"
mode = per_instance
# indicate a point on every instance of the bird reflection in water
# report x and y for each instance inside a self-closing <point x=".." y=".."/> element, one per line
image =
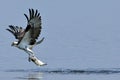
<point x="35" y="76"/>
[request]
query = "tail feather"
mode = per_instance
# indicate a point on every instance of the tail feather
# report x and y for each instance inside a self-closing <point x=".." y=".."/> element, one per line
<point x="40" y="41"/>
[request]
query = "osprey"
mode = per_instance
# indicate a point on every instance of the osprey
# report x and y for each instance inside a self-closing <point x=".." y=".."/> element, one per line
<point x="26" y="38"/>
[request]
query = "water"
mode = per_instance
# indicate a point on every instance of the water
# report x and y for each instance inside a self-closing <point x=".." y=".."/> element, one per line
<point x="82" y="40"/>
<point x="60" y="74"/>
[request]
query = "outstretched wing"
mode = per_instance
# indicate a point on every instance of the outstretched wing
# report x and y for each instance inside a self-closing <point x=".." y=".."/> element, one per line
<point x="33" y="28"/>
<point x="18" y="32"/>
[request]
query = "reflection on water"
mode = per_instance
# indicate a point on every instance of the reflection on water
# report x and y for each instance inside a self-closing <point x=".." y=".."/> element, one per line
<point x="32" y="76"/>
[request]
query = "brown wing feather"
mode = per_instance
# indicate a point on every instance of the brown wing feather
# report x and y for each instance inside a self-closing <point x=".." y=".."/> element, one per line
<point x="34" y="25"/>
<point x="18" y="32"/>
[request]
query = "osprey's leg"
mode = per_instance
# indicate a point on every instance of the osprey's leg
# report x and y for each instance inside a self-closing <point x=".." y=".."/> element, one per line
<point x="33" y="58"/>
<point x="30" y="53"/>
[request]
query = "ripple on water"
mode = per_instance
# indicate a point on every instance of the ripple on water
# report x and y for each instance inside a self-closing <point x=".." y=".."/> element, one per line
<point x="70" y="71"/>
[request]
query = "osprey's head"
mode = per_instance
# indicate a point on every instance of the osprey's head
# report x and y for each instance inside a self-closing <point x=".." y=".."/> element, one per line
<point x="14" y="43"/>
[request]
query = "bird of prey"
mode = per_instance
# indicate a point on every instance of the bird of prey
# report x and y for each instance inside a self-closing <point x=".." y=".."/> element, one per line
<point x="27" y="38"/>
